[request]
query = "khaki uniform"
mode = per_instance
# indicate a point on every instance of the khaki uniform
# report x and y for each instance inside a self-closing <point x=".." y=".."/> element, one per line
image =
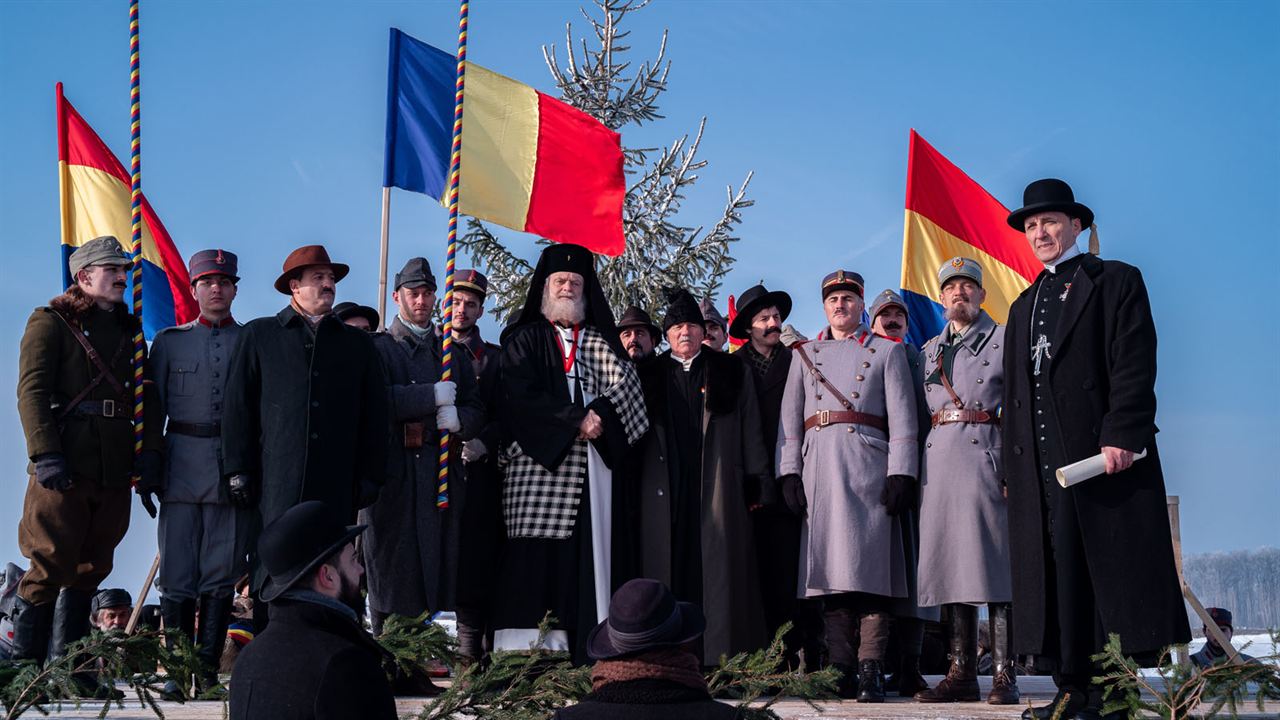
<point x="70" y="537"/>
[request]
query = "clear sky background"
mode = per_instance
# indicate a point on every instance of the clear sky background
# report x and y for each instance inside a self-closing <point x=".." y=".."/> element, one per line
<point x="263" y="130"/>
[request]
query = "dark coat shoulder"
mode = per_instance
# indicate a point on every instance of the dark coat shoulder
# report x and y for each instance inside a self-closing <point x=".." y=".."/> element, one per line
<point x="644" y="699"/>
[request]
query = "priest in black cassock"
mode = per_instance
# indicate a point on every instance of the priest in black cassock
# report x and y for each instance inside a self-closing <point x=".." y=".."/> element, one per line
<point x="572" y="405"/>
<point x="704" y="467"/>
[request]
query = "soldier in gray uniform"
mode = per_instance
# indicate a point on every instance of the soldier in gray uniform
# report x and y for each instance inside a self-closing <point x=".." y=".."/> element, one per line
<point x="201" y="532"/>
<point x="847" y="459"/>
<point x="889" y="319"/>
<point x="964" y="522"/>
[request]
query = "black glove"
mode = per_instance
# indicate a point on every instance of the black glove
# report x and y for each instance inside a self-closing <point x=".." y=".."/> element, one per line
<point x="793" y="494"/>
<point x="240" y="489"/>
<point x="770" y="496"/>
<point x="150" y="470"/>
<point x="52" y="472"/>
<point x="899" y="494"/>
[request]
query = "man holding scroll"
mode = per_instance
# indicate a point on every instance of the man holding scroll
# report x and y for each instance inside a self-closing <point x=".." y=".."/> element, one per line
<point x="1080" y="370"/>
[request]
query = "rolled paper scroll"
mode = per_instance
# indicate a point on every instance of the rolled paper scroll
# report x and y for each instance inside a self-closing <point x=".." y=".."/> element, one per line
<point x="1078" y="472"/>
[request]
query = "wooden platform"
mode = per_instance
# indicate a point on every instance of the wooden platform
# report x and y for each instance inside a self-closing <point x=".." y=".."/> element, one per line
<point x="1036" y="690"/>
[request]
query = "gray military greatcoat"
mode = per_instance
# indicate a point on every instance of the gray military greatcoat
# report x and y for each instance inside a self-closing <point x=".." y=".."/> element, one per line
<point x="199" y="550"/>
<point x="964" y="521"/>
<point x="848" y="542"/>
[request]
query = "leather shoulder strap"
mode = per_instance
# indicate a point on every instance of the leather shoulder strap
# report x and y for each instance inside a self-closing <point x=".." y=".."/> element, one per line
<point x="817" y="374"/>
<point x="104" y="372"/>
<point x="946" y="382"/>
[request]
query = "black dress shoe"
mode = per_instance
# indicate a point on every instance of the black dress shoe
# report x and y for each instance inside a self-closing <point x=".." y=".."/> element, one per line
<point x="1072" y="702"/>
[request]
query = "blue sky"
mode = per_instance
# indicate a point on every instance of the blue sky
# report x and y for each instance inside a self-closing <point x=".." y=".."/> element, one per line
<point x="263" y="130"/>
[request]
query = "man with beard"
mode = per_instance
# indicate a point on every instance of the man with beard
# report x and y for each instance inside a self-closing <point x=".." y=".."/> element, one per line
<point x="704" y="464"/>
<point x="201" y="534"/>
<point x="777" y="531"/>
<point x="306" y="411"/>
<point x="1080" y="373"/>
<point x="573" y="406"/>
<point x="847" y="461"/>
<point x="75" y="400"/>
<point x="110" y="609"/>
<point x="964" y="529"/>
<point x="717" y="328"/>
<point x="638" y="334"/>
<point x="480" y="541"/>
<point x="315" y="661"/>
<point x="889" y="320"/>
<point x="411" y="548"/>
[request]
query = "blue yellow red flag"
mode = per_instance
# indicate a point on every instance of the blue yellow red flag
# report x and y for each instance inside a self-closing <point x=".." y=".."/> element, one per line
<point x="950" y="215"/>
<point x="94" y="195"/>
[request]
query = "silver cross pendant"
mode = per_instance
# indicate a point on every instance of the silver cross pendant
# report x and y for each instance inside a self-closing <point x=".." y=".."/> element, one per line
<point x="1040" y="351"/>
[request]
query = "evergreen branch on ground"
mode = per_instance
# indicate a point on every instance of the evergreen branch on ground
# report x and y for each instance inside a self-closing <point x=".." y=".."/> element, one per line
<point x="1186" y="689"/>
<point x="763" y="675"/>
<point x="137" y="660"/>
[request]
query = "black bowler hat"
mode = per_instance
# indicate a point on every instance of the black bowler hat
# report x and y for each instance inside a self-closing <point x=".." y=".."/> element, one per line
<point x="644" y="615"/>
<point x="753" y="301"/>
<point x="1049" y="195"/>
<point x="681" y="308"/>
<point x="349" y="309"/>
<point x="297" y="542"/>
<point x="635" y="317"/>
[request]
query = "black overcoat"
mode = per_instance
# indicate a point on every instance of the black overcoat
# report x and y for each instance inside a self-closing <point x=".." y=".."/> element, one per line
<point x="645" y="699"/>
<point x="306" y="415"/>
<point x="311" y="663"/>
<point x="1101" y="383"/>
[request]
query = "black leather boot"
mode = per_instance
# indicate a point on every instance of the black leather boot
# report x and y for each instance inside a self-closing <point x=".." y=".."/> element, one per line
<point x="71" y="624"/>
<point x="870" y="682"/>
<point x="215" y="615"/>
<point x="32" y="626"/>
<point x="1004" y="676"/>
<point x="179" y="617"/>
<point x="910" y="681"/>
<point x="1069" y="701"/>
<point x="961" y="682"/>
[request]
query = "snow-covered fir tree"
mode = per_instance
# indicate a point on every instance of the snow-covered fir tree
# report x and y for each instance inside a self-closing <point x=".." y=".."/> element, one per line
<point x="660" y="251"/>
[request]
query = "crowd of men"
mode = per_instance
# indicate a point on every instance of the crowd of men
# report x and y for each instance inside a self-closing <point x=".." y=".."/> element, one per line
<point x="851" y="485"/>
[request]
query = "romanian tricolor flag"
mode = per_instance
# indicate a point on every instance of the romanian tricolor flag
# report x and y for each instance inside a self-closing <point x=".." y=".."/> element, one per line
<point x="94" y="193"/>
<point x="529" y="162"/>
<point x="948" y="214"/>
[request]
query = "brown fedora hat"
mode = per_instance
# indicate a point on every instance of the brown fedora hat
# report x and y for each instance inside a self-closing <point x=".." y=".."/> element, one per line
<point x="303" y="257"/>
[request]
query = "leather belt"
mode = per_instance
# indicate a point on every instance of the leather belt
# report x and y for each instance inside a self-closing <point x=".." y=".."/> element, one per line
<point x="200" y="430"/>
<point x="102" y="408"/>
<point x="946" y="416"/>
<point x="823" y="418"/>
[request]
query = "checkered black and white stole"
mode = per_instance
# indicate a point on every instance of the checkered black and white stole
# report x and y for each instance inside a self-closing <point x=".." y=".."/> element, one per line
<point x="543" y="504"/>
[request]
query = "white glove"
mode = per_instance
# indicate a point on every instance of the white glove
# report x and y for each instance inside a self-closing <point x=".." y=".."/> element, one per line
<point x="446" y="393"/>
<point x="473" y="450"/>
<point x="447" y="418"/>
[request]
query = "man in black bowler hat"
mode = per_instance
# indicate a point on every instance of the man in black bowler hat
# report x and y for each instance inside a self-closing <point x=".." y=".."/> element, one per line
<point x="645" y="665"/>
<point x="315" y="660"/>
<point x="1080" y="374"/>
<point x="638" y="334"/>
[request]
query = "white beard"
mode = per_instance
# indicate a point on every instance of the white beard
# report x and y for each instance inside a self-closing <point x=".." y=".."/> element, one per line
<point x="564" y="312"/>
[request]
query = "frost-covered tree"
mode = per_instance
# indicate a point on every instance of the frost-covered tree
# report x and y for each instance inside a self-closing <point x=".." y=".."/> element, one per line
<point x="660" y="251"/>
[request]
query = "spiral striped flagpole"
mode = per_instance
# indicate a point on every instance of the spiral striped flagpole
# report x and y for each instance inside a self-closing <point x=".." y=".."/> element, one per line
<point x="455" y="172"/>
<point x="135" y="159"/>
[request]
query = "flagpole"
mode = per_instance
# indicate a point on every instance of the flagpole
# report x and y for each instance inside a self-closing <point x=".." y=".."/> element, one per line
<point x="455" y="172"/>
<point x="382" y="258"/>
<point x="135" y="157"/>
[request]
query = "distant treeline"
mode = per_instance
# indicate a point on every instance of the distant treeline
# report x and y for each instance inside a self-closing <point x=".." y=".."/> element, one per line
<point x="1246" y="582"/>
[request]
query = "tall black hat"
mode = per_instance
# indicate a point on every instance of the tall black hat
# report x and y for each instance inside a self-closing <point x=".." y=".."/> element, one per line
<point x="297" y="542"/>
<point x="753" y="301"/>
<point x="681" y="308"/>
<point x="1049" y="195"/>
<point x="567" y="257"/>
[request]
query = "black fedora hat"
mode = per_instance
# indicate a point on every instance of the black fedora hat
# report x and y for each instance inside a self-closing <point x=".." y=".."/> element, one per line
<point x="643" y="615"/>
<point x="753" y="301"/>
<point x="297" y="542"/>
<point x="349" y="309"/>
<point x="636" y="317"/>
<point x="1049" y="195"/>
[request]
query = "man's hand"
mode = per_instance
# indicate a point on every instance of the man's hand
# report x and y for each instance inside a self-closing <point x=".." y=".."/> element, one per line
<point x="148" y="499"/>
<point x="447" y="418"/>
<point x="899" y="494"/>
<point x="793" y="494"/>
<point x="446" y="393"/>
<point x="591" y="426"/>
<point x="473" y="450"/>
<point x="52" y="472"/>
<point x="240" y="488"/>
<point x="1117" y="459"/>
